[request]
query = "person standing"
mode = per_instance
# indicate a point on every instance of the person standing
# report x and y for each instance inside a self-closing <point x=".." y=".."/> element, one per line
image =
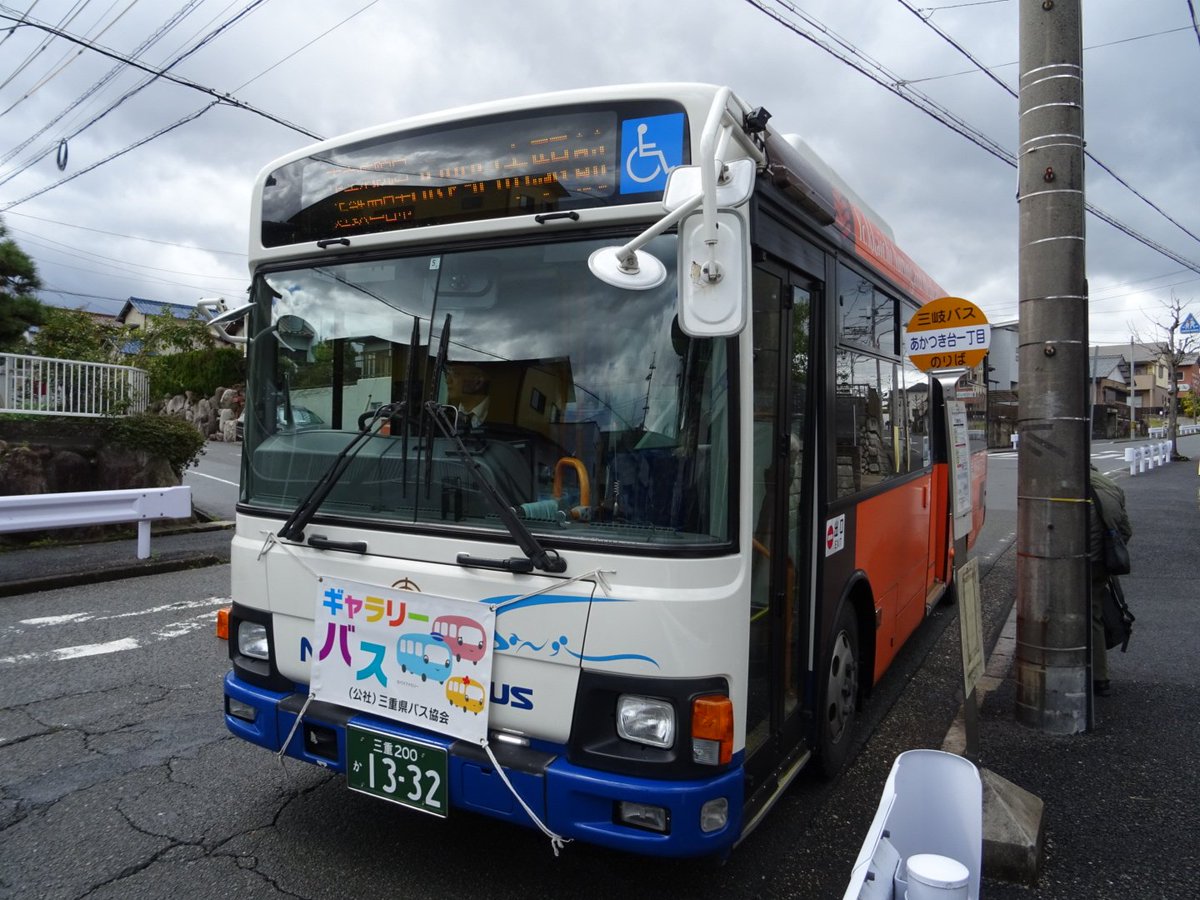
<point x="1112" y="511"/>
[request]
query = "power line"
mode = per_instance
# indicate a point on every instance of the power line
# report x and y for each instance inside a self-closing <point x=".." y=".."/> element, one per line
<point x="134" y="237"/>
<point x="25" y="63"/>
<point x="984" y="69"/>
<point x="188" y="118"/>
<point x="166" y="75"/>
<point x="863" y="64"/>
<point x="932" y="9"/>
<point x="1192" y="12"/>
<point x="1128" y="40"/>
<point x="30" y="238"/>
<point x="66" y="59"/>
<point x="112" y="73"/>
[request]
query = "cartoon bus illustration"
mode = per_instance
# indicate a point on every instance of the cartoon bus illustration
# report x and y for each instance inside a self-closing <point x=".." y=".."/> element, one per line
<point x="426" y="655"/>
<point x="464" y="635"/>
<point x="465" y="693"/>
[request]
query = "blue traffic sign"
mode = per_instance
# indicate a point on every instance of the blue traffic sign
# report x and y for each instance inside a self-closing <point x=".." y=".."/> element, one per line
<point x="1190" y="325"/>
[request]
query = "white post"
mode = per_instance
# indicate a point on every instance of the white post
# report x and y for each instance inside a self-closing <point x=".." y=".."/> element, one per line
<point x="1131" y="458"/>
<point x="143" y="547"/>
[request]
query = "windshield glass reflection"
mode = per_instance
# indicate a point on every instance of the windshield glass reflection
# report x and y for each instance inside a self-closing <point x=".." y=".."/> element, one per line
<point x="584" y="406"/>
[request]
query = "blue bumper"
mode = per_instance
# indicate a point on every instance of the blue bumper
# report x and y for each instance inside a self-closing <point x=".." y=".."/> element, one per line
<point x="573" y="802"/>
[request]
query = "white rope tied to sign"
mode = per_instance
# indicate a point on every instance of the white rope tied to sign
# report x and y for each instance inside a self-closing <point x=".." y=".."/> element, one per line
<point x="299" y="717"/>
<point x="273" y="541"/>
<point x="596" y="575"/>
<point x="557" y="841"/>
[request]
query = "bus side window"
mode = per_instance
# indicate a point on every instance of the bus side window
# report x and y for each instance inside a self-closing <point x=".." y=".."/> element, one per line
<point x="868" y="422"/>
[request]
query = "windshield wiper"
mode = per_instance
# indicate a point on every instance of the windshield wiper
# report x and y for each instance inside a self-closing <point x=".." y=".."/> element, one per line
<point x="536" y="556"/>
<point x="293" y="528"/>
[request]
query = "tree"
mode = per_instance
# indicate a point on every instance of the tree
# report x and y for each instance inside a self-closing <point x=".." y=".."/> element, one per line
<point x="1172" y="350"/>
<point x="19" y="308"/>
<point x="73" y="334"/>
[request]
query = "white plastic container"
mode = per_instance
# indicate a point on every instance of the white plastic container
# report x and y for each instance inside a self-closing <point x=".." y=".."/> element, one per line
<point x="935" y="877"/>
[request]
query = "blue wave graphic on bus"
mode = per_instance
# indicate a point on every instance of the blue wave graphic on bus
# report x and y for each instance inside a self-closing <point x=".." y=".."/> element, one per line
<point x="515" y="643"/>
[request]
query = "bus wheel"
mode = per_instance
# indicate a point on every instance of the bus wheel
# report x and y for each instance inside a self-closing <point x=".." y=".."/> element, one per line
<point x="839" y="694"/>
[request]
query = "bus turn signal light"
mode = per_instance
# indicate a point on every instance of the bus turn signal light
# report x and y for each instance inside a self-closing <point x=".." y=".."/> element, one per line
<point x="223" y="624"/>
<point x="712" y="729"/>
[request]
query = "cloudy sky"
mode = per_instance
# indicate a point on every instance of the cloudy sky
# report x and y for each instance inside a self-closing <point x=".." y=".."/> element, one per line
<point x="167" y="217"/>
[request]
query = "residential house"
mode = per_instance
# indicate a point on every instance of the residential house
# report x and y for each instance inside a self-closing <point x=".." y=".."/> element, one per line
<point x="1109" y="394"/>
<point x="137" y="310"/>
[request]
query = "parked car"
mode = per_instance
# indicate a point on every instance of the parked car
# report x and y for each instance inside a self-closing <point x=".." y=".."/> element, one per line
<point x="302" y="418"/>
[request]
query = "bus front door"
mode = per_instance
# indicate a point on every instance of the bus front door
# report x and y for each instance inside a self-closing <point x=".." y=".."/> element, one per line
<point x="781" y="525"/>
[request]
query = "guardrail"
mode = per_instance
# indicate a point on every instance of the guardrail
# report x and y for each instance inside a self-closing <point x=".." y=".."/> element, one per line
<point x="46" y="386"/>
<point x="1148" y="456"/>
<point x="35" y="512"/>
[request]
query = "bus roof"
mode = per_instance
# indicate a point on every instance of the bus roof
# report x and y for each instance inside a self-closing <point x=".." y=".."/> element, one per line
<point x="356" y="158"/>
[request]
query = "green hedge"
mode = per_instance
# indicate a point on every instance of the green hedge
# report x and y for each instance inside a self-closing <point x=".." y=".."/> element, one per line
<point x="198" y="371"/>
<point x="175" y="440"/>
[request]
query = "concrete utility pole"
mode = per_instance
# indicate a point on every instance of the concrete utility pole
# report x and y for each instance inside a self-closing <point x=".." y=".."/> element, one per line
<point x="1053" y="581"/>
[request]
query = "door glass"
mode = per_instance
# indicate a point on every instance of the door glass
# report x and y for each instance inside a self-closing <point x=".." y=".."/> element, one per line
<point x="767" y="298"/>
<point x="796" y="505"/>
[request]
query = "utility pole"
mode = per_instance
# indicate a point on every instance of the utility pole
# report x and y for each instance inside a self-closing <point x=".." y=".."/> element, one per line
<point x="1053" y="578"/>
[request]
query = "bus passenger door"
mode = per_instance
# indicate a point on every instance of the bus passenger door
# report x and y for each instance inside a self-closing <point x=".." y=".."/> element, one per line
<point x="780" y="511"/>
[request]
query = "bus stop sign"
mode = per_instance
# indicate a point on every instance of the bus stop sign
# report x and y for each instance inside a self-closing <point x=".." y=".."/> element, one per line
<point x="947" y="333"/>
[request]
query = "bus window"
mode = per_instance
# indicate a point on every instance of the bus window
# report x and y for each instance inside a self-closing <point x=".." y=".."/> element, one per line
<point x="866" y="317"/>
<point x="867" y="419"/>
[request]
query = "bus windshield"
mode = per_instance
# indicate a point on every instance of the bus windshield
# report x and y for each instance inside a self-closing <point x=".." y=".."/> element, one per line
<point x="586" y="408"/>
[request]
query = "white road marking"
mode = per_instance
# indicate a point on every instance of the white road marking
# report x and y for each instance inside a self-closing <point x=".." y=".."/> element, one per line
<point x="57" y="620"/>
<point x="214" y="478"/>
<point x="169" y="632"/>
<point x="73" y="652"/>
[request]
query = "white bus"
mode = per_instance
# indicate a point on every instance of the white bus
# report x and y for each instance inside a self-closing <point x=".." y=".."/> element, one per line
<point x="617" y="375"/>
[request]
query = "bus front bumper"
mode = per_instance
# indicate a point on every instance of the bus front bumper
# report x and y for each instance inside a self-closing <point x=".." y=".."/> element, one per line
<point x="573" y="802"/>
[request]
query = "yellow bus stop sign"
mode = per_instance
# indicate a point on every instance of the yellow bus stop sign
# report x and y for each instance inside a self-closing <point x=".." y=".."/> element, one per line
<point x="947" y="333"/>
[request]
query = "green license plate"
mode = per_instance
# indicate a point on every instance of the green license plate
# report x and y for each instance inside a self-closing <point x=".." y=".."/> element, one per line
<point x="404" y="771"/>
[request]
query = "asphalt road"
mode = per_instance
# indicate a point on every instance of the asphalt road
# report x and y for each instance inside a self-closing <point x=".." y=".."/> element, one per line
<point x="214" y="480"/>
<point x="119" y="780"/>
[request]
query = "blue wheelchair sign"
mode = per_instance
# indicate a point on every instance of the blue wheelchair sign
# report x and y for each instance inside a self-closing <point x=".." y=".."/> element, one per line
<point x="650" y="148"/>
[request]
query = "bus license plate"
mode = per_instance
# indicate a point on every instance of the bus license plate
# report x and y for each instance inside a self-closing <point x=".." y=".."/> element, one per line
<point x="397" y="769"/>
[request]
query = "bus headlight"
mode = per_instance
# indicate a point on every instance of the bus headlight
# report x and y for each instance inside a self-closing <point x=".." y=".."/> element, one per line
<point x="645" y="720"/>
<point x="252" y="640"/>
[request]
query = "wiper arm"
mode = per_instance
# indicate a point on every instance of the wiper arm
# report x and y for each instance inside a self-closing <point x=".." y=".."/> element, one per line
<point x="293" y="528"/>
<point x="538" y="556"/>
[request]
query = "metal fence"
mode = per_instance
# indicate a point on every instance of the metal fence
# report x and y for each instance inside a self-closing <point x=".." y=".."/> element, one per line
<point x="65" y="387"/>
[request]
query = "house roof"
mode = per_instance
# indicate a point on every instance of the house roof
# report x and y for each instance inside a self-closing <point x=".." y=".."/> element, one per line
<point x="154" y="308"/>
<point x="1113" y="367"/>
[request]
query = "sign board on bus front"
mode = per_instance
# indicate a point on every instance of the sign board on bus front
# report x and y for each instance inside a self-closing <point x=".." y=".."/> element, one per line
<point x="947" y="333"/>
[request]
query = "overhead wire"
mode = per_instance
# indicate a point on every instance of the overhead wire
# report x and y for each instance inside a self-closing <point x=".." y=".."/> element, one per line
<point x="29" y="237"/>
<point x="1192" y="13"/>
<point x="134" y="237"/>
<point x="157" y="134"/>
<point x="67" y="19"/>
<point x="876" y="72"/>
<point x="163" y="73"/>
<point x="9" y="32"/>
<point x="994" y="66"/>
<point x="66" y="59"/>
<point x="1012" y="93"/>
<point x="189" y="118"/>
<point x="112" y="73"/>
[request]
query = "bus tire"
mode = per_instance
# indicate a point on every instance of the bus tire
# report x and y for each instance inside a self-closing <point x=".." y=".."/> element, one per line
<point x="838" y="716"/>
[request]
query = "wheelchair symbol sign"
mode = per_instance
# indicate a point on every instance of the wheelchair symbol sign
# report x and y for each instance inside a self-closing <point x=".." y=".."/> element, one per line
<point x="650" y="148"/>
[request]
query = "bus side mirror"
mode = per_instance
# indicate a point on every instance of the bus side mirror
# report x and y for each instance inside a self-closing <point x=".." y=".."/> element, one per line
<point x="218" y="318"/>
<point x="714" y="285"/>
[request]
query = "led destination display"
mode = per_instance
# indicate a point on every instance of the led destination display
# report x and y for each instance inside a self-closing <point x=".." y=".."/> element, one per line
<point x="520" y="164"/>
